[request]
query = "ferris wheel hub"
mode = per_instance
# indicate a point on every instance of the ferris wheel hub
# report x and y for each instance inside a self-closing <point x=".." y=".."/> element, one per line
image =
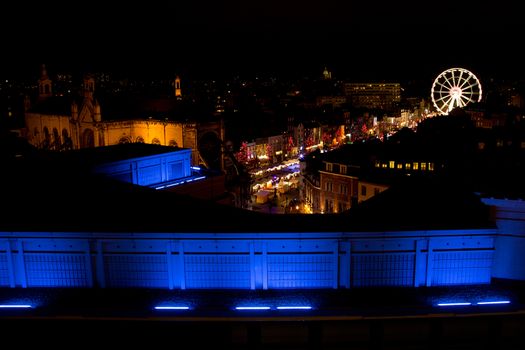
<point x="455" y="92"/>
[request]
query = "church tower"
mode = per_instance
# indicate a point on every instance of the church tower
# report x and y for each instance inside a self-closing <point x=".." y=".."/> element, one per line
<point x="44" y="85"/>
<point x="178" y="91"/>
<point x="88" y="86"/>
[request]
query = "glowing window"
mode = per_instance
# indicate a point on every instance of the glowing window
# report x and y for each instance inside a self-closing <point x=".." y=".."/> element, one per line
<point x="423" y="166"/>
<point x="415" y="166"/>
<point x="378" y="163"/>
<point x="328" y="166"/>
<point x="431" y="166"/>
<point x="392" y="164"/>
<point x="407" y="166"/>
<point x="384" y="165"/>
<point x="399" y="166"/>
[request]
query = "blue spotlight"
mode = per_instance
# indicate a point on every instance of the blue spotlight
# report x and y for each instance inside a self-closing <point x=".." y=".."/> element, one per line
<point x="496" y="302"/>
<point x="252" y="308"/>
<point x="454" y="304"/>
<point x="294" y="308"/>
<point x="172" y="307"/>
<point x="16" y="306"/>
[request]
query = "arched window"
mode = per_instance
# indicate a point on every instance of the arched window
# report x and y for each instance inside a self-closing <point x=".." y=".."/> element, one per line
<point x="46" y="143"/>
<point x="173" y="143"/>
<point x="139" y="139"/>
<point x="88" y="138"/>
<point x="67" y="143"/>
<point x="56" y="139"/>
<point x="155" y="141"/>
<point x="124" y="139"/>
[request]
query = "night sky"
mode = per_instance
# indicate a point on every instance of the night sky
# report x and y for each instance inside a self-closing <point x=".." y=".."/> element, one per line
<point x="356" y="39"/>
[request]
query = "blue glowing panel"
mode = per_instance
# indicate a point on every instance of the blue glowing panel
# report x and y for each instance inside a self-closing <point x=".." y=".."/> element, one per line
<point x="294" y="308"/>
<point x="175" y="171"/>
<point x="126" y="270"/>
<point x="4" y="271"/>
<point x="217" y="271"/>
<point x="392" y="269"/>
<point x="300" y="271"/>
<point x="462" y="267"/>
<point x="56" y="270"/>
<point x="149" y="175"/>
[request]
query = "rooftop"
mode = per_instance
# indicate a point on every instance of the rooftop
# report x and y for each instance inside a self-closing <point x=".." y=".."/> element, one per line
<point x="58" y="196"/>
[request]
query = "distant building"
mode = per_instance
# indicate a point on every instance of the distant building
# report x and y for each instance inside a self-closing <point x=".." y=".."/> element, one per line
<point x="327" y="75"/>
<point x="334" y="101"/>
<point x="384" y="96"/>
<point x="63" y="123"/>
<point x="368" y="189"/>
<point x="140" y="164"/>
<point x="159" y="167"/>
<point x="339" y="186"/>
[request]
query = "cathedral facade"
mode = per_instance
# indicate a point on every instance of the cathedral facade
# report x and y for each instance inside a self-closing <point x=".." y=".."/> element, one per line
<point x="64" y="123"/>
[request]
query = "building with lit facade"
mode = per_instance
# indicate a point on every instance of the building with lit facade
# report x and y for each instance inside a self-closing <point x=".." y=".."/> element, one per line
<point x="339" y="186"/>
<point x="384" y="96"/>
<point x="64" y="123"/>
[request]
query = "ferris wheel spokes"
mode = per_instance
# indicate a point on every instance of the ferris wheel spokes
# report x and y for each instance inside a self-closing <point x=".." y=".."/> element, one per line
<point x="455" y="87"/>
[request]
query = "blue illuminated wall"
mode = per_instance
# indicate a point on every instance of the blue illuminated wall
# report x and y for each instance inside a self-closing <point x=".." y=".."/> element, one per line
<point x="268" y="260"/>
<point x="150" y="170"/>
<point x="246" y="260"/>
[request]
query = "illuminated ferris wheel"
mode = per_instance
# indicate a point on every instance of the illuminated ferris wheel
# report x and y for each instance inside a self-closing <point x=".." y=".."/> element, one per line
<point x="455" y="87"/>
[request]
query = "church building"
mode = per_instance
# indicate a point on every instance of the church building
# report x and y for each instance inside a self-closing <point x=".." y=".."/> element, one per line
<point x="88" y="120"/>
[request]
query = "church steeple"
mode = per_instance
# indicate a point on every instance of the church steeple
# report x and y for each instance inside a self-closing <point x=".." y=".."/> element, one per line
<point x="44" y="84"/>
<point x="88" y="86"/>
<point x="178" y="91"/>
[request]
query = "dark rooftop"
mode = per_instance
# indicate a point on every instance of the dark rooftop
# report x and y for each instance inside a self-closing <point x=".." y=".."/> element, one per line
<point x="54" y="195"/>
<point x="114" y="153"/>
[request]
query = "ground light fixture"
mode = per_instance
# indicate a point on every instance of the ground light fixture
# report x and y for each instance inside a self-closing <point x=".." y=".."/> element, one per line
<point x="15" y="306"/>
<point x="455" y="304"/>
<point x="488" y="302"/>
<point x="172" y="307"/>
<point x="496" y="302"/>
<point x="252" y="308"/>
